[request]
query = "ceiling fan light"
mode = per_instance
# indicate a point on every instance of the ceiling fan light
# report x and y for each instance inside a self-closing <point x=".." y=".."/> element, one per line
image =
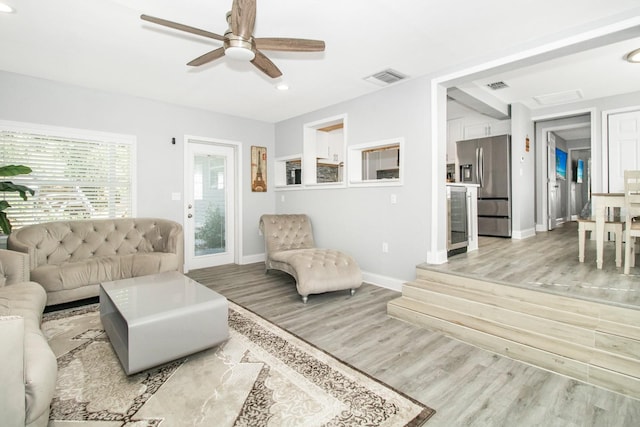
<point x="633" y="56"/>
<point x="5" y="8"/>
<point x="239" y="53"/>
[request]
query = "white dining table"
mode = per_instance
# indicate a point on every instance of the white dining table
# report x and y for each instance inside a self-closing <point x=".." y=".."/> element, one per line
<point x="601" y="202"/>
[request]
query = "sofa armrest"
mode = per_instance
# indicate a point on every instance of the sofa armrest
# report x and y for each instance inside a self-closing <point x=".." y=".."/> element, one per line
<point x="12" y="392"/>
<point x="14" y="267"/>
<point x="16" y="245"/>
<point x="175" y="244"/>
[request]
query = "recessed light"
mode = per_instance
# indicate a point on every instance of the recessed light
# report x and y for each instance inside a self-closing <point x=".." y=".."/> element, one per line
<point x="633" y="56"/>
<point x="5" y="8"/>
<point x="282" y="86"/>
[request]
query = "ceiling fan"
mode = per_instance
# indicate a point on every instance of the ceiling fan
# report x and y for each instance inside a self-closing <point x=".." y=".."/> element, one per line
<point x="238" y="41"/>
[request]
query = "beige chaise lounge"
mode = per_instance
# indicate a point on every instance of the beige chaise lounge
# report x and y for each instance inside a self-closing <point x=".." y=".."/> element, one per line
<point x="289" y="247"/>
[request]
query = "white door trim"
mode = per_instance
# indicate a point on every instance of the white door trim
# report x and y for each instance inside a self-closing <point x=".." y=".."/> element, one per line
<point x="237" y="217"/>
<point x="541" y="180"/>
<point x="605" y="140"/>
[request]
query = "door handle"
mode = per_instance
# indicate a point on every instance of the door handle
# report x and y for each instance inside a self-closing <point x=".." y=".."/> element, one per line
<point x="189" y="206"/>
<point x="189" y="216"/>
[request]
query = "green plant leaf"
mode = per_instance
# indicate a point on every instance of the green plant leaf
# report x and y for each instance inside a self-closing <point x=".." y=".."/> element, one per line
<point x="5" y="225"/>
<point x="13" y="170"/>
<point x="10" y="186"/>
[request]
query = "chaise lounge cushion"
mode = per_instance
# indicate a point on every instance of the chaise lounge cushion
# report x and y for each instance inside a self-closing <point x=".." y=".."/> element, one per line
<point x="289" y="246"/>
<point x="320" y="270"/>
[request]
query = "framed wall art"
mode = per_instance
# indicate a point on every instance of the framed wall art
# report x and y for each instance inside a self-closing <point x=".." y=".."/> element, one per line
<point x="258" y="169"/>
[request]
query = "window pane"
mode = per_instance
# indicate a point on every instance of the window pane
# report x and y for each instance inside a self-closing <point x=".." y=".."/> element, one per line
<point x="73" y="178"/>
<point x="210" y="209"/>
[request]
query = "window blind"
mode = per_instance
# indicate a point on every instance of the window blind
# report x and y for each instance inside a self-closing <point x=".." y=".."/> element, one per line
<point x="73" y="178"/>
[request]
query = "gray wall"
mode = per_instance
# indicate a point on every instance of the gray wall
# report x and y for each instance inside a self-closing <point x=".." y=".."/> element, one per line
<point x="522" y="172"/>
<point x="359" y="220"/>
<point x="160" y="170"/>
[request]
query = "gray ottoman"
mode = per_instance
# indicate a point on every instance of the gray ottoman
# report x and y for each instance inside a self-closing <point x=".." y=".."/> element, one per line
<point x="154" y="319"/>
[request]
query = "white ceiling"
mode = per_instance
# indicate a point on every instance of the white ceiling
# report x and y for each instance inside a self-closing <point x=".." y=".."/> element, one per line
<point x="103" y="44"/>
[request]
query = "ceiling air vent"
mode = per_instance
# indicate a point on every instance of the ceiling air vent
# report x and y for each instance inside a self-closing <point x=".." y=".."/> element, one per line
<point x="497" y="85"/>
<point x="386" y="77"/>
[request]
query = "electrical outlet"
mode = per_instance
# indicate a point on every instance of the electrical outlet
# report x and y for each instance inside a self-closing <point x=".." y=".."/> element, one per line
<point x="385" y="247"/>
<point x="394" y="199"/>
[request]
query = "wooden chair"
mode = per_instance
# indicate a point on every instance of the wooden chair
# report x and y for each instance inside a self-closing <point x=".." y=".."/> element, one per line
<point x="632" y="208"/>
<point x="616" y="227"/>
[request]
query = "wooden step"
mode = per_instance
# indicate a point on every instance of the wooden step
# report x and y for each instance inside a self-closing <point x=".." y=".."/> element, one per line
<point x="588" y="341"/>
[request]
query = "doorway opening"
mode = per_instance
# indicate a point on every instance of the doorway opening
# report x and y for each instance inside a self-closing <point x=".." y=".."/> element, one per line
<point x="563" y="142"/>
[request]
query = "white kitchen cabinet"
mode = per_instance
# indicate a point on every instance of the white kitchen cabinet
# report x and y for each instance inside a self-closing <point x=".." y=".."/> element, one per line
<point x="454" y="134"/>
<point x="330" y="145"/>
<point x="479" y="130"/>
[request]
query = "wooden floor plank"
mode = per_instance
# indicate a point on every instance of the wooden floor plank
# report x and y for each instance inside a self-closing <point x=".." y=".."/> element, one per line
<point x="548" y="262"/>
<point x="466" y="385"/>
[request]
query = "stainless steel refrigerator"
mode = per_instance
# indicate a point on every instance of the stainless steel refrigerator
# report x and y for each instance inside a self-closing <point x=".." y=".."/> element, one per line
<point x="487" y="162"/>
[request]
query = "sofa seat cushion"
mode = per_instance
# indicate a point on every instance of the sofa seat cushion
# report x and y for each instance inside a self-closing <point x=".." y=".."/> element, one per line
<point x="91" y="271"/>
<point x="320" y="270"/>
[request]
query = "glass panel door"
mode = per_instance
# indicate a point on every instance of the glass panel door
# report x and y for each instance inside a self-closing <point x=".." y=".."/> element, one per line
<point x="210" y="199"/>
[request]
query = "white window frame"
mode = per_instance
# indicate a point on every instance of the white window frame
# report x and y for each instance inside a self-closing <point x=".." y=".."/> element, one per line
<point x="354" y="158"/>
<point x="281" y="172"/>
<point x="309" y="164"/>
<point x="75" y="134"/>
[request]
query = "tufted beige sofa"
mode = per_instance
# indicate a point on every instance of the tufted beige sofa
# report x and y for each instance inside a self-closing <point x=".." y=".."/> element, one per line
<point x="290" y="247"/>
<point x="28" y="366"/>
<point x="71" y="258"/>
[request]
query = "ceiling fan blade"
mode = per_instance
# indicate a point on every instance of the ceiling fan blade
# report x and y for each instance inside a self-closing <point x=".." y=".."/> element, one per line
<point x="207" y="57"/>
<point x="265" y="65"/>
<point x="290" y="45"/>
<point x="243" y="18"/>
<point x="182" y="27"/>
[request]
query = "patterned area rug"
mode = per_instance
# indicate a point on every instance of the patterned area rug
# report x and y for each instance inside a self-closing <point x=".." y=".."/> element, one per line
<point x="261" y="376"/>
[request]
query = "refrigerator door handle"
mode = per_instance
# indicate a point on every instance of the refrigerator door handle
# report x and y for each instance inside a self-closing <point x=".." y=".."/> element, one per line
<point x="477" y="165"/>
<point x="481" y="166"/>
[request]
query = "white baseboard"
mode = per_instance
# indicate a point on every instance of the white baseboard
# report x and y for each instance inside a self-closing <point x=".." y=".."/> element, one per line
<point x="541" y="228"/>
<point x="383" y="281"/>
<point x="250" y="259"/>
<point x="523" y="234"/>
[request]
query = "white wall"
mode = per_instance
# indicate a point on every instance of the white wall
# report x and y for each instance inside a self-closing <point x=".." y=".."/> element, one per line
<point x="359" y="220"/>
<point x="160" y="169"/>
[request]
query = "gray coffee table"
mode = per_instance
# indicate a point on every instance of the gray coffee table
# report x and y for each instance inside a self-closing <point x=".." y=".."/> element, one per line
<point x="154" y="319"/>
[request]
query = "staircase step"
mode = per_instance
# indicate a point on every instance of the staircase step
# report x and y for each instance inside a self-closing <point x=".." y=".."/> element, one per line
<point x="589" y="341"/>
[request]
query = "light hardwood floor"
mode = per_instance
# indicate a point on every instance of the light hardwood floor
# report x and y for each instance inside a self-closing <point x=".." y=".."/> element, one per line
<point x="548" y="262"/>
<point x="467" y="386"/>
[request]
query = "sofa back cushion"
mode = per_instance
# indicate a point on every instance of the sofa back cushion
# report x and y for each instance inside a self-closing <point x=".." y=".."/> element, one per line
<point x="68" y="241"/>
<point x="286" y="232"/>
